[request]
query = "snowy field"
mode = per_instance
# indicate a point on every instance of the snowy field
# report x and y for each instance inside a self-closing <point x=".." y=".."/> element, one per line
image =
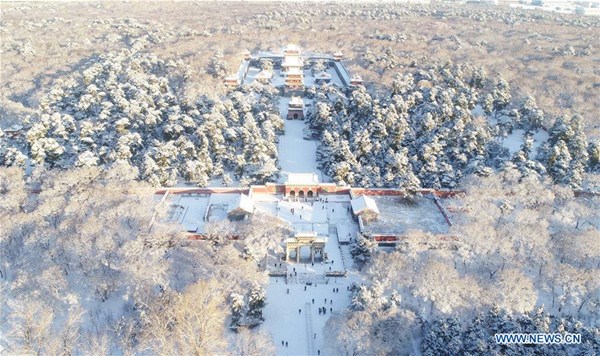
<point x="307" y="216"/>
<point x="188" y="210"/>
<point x="309" y="79"/>
<point x="398" y="217"/>
<point x="278" y="79"/>
<point x="194" y="210"/>
<point x="304" y="331"/>
<point x="515" y="140"/>
<point x="296" y="154"/>
<point x="290" y="314"/>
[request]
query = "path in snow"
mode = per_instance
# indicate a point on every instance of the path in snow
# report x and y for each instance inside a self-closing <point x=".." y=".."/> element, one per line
<point x="296" y="154"/>
<point x="293" y="302"/>
<point x="304" y="331"/>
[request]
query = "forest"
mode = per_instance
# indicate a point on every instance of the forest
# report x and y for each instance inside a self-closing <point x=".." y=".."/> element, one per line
<point x="129" y="107"/>
<point x="439" y="124"/>
<point x="88" y="267"/>
<point x="526" y="259"/>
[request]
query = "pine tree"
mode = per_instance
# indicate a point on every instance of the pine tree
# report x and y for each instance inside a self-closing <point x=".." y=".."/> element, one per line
<point x="362" y="249"/>
<point x="531" y="116"/>
<point x="237" y="308"/>
<point x="559" y="163"/>
<point x="256" y="303"/>
<point x="488" y="104"/>
<point x="594" y="156"/>
<point x="501" y="94"/>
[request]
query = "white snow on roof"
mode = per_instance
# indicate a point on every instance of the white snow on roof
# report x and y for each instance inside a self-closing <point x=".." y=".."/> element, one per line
<point x="323" y="75"/>
<point x="292" y="61"/>
<point x="294" y="70"/>
<point x="364" y="203"/>
<point x="264" y="75"/>
<point x="302" y="178"/>
<point x="343" y="72"/>
<point x="306" y="234"/>
<point x="241" y="202"/>
<point x="296" y="101"/>
<point x="292" y="47"/>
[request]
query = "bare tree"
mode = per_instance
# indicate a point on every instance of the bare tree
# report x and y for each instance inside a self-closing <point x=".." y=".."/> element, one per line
<point x="252" y="343"/>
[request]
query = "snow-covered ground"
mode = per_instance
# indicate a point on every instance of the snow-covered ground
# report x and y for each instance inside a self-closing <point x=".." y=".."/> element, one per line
<point x="305" y="331"/>
<point x="515" y="140"/>
<point x="306" y="214"/>
<point x="278" y="79"/>
<point x="293" y="302"/>
<point x="398" y="216"/>
<point x="192" y="210"/>
<point x="296" y="154"/>
<point x="188" y="211"/>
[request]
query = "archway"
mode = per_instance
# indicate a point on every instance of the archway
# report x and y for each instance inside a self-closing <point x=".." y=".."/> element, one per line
<point x="301" y="194"/>
<point x="292" y="193"/>
<point x="295" y="116"/>
<point x="309" y="194"/>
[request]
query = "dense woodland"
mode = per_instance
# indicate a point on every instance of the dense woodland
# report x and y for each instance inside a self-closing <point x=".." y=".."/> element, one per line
<point x="129" y="107"/>
<point x="438" y="124"/>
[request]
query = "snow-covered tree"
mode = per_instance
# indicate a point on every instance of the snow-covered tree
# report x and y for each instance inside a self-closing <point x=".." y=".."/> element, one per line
<point x="256" y="303"/>
<point x="362" y="249"/>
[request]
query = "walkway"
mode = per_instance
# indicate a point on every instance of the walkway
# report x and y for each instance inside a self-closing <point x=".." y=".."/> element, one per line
<point x="296" y="154"/>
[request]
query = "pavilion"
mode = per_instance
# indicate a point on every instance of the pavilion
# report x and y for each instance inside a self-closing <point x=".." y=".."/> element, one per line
<point x="295" y="109"/>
